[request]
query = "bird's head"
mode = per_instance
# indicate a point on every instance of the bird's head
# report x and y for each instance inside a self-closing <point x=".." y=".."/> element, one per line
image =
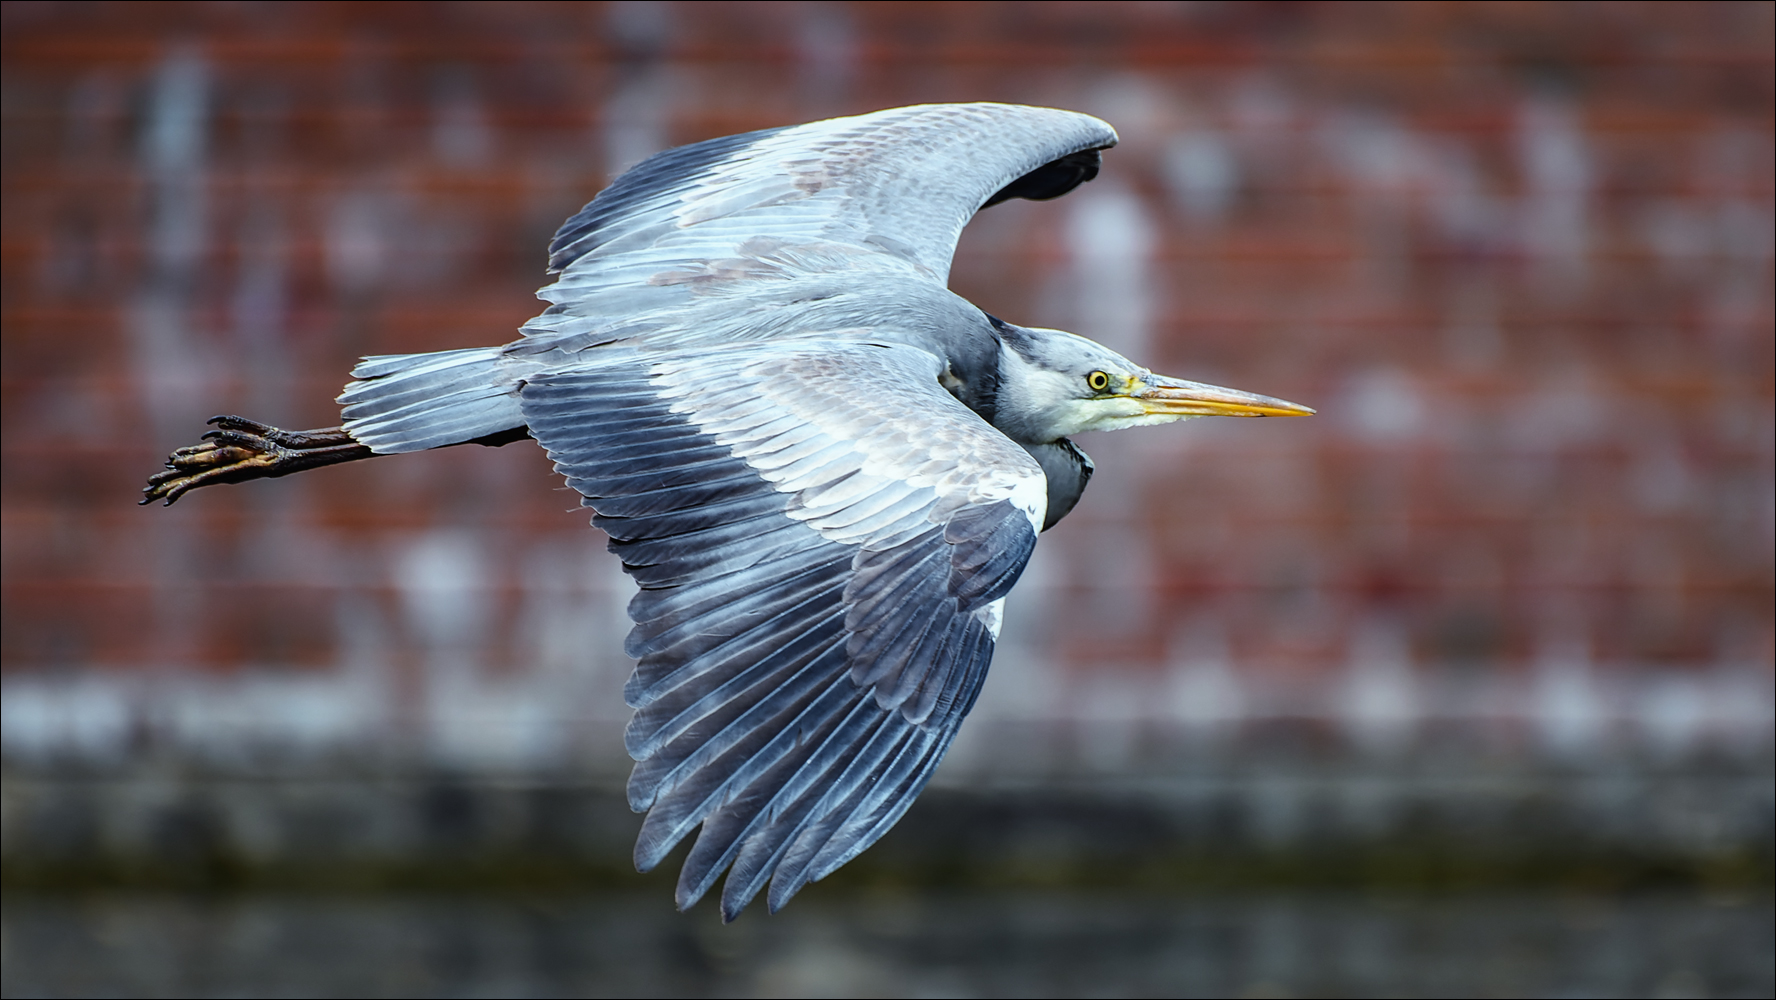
<point x="1054" y="384"/>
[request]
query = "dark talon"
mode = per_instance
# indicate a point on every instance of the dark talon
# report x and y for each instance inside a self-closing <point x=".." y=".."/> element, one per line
<point x="237" y="437"/>
<point x="240" y="449"/>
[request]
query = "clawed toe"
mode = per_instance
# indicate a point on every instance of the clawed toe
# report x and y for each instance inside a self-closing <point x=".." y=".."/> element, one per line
<point x="204" y="465"/>
<point x="224" y="440"/>
<point x="244" y="433"/>
<point x="240" y="449"/>
<point x="230" y="422"/>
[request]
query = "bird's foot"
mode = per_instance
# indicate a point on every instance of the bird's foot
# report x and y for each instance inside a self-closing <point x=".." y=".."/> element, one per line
<point x="240" y="449"/>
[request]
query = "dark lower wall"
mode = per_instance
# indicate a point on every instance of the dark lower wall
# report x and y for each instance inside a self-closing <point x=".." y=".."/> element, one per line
<point x="1433" y="824"/>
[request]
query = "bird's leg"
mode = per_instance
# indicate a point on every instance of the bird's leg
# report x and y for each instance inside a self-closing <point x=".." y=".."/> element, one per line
<point x="240" y="449"/>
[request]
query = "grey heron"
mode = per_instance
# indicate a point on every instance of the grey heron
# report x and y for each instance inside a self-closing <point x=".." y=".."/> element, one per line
<point x="823" y="469"/>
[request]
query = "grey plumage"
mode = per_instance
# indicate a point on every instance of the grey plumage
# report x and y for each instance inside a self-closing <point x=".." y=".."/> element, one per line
<point x="848" y="223"/>
<point x="823" y="469"/>
<point x="816" y="585"/>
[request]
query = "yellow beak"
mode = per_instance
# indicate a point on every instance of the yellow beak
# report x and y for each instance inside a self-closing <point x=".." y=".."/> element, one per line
<point x="1195" y="399"/>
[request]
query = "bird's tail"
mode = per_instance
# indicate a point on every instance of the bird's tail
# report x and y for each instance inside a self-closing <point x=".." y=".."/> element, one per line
<point x="411" y="402"/>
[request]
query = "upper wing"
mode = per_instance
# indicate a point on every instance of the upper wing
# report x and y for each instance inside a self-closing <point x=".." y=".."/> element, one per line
<point x="754" y="237"/>
<point x="823" y="538"/>
<point x="887" y="192"/>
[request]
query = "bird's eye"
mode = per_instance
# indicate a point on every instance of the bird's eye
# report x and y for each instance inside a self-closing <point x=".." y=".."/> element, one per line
<point x="1098" y="381"/>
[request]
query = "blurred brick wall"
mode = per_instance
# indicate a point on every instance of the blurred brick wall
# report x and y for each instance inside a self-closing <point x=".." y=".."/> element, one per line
<point x="1518" y="255"/>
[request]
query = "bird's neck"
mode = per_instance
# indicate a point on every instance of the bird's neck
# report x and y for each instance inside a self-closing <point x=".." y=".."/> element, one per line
<point x="1067" y="470"/>
<point x="971" y="372"/>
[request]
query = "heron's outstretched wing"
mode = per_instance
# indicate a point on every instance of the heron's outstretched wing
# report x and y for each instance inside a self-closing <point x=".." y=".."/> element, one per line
<point x="762" y="236"/>
<point x="886" y="192"/>
<point x="821" y="577"/>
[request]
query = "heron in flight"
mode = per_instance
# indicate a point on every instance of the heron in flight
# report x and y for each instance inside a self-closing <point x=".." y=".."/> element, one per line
<point x="823" y="468"/>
